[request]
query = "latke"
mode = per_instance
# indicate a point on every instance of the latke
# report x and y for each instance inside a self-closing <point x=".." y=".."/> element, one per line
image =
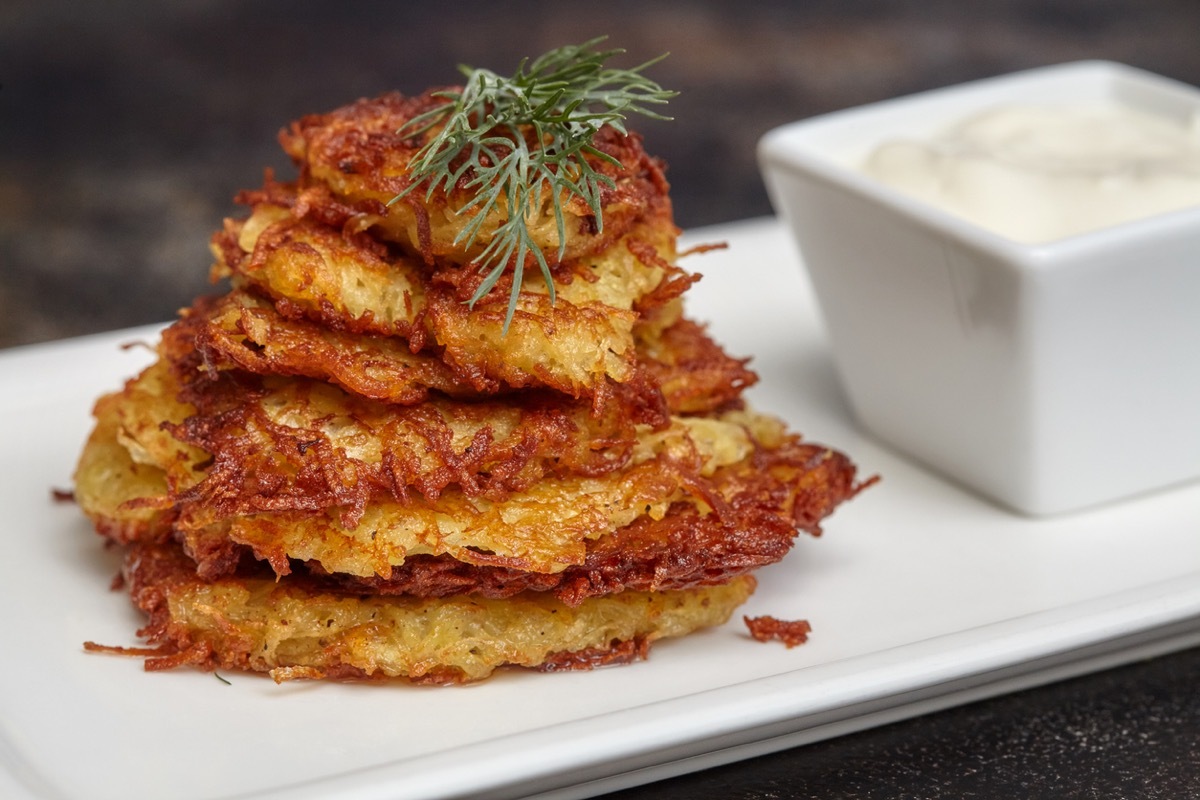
<point x="355" y="462"/>
<point x="347" y="281"/>
<point x="290" y="629"/>
<point x="358" y="155"/>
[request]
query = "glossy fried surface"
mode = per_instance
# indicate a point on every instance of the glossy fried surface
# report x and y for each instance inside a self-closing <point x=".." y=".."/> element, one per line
<point x="345" y="281"/>
<point x="660" y="525"/>
<point x="792" y="633"/>
<point x="692" y="371"/>
<point x="356" y="154"/>
<point x="125" y="500"/>
<point x="544" y="528"/>
<point x="758" y="506"/>
<point x="291" y="629"/>
<point x="240" y="330"/>
<point x="315" y="268"/>
<point x="283" y="514"/>
<point x="677" y="360"/>
<point x="348" y="466"/>
<point x="241" y="443"/>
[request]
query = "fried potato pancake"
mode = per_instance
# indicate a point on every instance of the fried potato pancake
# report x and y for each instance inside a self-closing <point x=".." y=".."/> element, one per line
<point x="752" y="510"/>
<point x="541" y="529"/>
<point x="306" y="493"/>
<point x="290" y="629"/>
<point x="694" y="374"/>
<point x="240" y="330"/>
<point x="761" y="503"/>
<point x="357" y="154"/>
<point x="357" y="464"/>
<point x="241" y="444"/>
<point x="312" y="269"/>
<point x="109" y="483"/>
<point x="349" y="282"/>
<point x="740" y="511"/>
<point x="707" y="479"/>
<point x="691" y="372"/>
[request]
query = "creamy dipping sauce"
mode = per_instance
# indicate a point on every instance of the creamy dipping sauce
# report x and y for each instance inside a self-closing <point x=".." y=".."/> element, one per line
<point x="1036" y="174"/>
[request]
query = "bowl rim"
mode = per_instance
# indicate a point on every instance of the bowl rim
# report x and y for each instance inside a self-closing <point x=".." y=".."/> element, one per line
<point x="788" y="148"/>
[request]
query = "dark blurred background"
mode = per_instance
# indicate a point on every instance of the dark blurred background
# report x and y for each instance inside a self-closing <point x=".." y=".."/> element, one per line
<point x="126" y="127"/>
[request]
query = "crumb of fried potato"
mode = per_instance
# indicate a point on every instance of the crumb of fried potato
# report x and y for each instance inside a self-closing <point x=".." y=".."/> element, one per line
<point x="790" y="632"/>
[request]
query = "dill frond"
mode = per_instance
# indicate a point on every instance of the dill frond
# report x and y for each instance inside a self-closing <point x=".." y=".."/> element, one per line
<point x="514" y="138"/>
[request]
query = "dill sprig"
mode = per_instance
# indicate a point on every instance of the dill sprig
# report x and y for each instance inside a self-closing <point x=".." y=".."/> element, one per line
<point x="514" y="138"/>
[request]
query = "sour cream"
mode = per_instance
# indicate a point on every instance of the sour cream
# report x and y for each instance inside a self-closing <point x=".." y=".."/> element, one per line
<point x="1037" y="174"/>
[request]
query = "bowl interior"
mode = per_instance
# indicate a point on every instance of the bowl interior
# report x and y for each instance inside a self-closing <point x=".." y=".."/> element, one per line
<point x="846" y="137"/>
<point x="832" y="147"/>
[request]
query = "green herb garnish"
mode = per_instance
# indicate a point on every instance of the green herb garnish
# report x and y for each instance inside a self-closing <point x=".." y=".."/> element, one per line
<point x="514" y="138"/>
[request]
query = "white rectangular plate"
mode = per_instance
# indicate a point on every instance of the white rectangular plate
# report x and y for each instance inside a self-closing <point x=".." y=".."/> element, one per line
<point x="920" y="596"/>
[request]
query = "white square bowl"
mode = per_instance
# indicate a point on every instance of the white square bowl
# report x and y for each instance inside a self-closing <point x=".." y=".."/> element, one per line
<point x="1048" y="377"/>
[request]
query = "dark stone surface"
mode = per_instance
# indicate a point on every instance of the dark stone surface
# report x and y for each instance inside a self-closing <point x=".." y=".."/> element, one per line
<point x="126" y="128"/>
<point x="1132" y="732"/>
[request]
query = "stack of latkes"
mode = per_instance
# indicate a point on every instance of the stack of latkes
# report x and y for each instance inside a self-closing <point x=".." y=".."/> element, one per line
<point x="341" y="468"/>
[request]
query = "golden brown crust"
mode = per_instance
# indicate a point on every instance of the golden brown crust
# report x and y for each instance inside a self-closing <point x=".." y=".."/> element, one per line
<point x="541" y="529"/>
<point x="676" y="360"/>
<point x="275" y="445"/>
<point x="696" y="508"/>
<point x="328" y="447"/>
<point x="293" y="629"/>
<point x="242" y="331"/>
<point x="758" y="507"/>
<point x="357" y="154"/>
<point x="695" y="375"/>
<point x="350" y="467"/>
<point x="342" y="279"/>
<point x="108" y="483"/>
<point x="791" y="632"/>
